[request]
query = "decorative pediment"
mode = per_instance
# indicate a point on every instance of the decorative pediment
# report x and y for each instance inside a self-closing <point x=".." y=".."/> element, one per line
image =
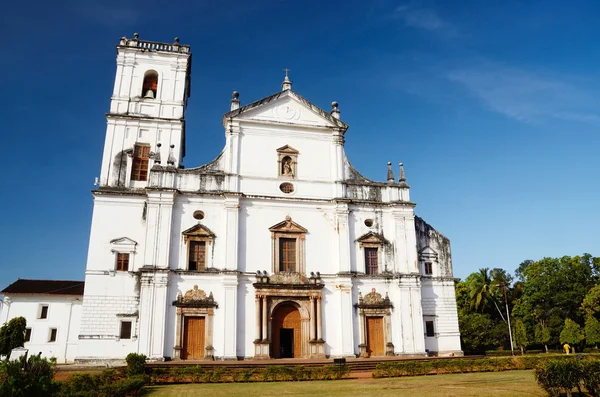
<point x="287" y="226"/>
<point x="372" y="238"/>
<point x="123" y="244"/>
<point x="373" y="299"/>
<point x="286" y="107"/>
<point x="195" y="297"/>
<point x="198" y="231"/>
<point x="287" y="149"/>
<point x="428" y="254"/>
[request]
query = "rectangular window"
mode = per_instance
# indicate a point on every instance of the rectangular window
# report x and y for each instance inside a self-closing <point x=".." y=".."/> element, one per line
<point x="43" y="311"/>
<point x="125" y="330"/>
<point x="197" y="255"/>
<point x="139" y="168"/>
<point x="428" y="268"/>
<point x="287" y="254"/>
<point x="27" y="334"/>
<point x="371" y="260"/>
<point x="52" y="336"/>
<point x="122" y="262"/>
<point x="429" y="328"/>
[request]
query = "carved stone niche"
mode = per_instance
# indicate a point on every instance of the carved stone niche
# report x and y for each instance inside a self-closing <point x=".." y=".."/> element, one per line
<point x="287" y="160"/>
<point x="374" y="305"/>
<point x="195" y="303"/>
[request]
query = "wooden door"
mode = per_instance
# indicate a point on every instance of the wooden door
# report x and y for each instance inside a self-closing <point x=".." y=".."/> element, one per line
<point x="193" y="338"/>
<point x="287" y="317"/>
<point x="375" y="336"/>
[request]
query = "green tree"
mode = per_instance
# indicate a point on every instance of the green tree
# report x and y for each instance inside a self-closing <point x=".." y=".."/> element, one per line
<point x="481" y="289"/>
<point x="520" y="335"/>
<point x="571" y="333"/>
<point x="478" y="332"/>
<point x="592" y="331"/>
<point x="591" y="301"/>
<point x="12" y="335"/>
<point x="542" y="334"/>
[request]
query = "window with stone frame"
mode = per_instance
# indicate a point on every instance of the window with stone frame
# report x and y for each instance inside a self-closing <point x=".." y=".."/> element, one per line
<point x="372" y="245"/>
<point x="428" y="268"/>
<point x="125" y="331"/>
<point x="288" y="246"/>
<point x="371" y="260"/>
<point x="198" y="240"/>
<point x="429" y="328"/>
<point x="122" y="262"/>
<point x="139" y="167"/>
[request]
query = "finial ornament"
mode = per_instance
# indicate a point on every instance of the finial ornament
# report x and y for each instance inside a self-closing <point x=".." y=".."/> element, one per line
<point x="286" y="70"/>
<point x="402" y="176"/>
<point x="390" y="173"/>
<point x="335" y="111"/>
<point x="287" y="84"/>
<point x="136" y="35"/>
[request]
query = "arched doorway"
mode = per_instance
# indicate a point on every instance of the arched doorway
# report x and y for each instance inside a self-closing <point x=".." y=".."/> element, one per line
<point x="286" y="332"/>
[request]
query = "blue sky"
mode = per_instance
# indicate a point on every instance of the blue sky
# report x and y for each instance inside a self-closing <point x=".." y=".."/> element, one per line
<point x="493" y="106"/>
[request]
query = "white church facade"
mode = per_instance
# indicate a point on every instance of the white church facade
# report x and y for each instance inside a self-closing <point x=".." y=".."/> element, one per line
<point x="277" y="248"/>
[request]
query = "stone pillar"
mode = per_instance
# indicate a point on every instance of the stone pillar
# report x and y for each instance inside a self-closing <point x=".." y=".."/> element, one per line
<point x="209" y="349"/>
<point x="362" y="332"/>
<point x="343" y="240"/>
<point x="264" y="320"/>
<point x="231" y="219"/>
<point x="257" y="301"/>
<point x="319" y="331"/>
<point x="230" y="285"/>
<point x="178" y="336"/>
<point x="312" y="318"/>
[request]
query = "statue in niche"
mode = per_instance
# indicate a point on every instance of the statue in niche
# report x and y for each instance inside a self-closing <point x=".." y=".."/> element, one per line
<point x="286" y="167"/>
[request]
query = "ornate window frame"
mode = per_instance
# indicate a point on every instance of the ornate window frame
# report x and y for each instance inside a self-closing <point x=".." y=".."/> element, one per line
<point x="198" y="232"/>
<point x="283" y="153"/>
<point x="288" y="229"/>
<point x="371" y="240"/>
<point x="428" y="255"/>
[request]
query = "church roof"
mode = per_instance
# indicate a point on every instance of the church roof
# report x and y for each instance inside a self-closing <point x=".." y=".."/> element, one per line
<point x="47" y="287"/>
<point x="295" y="95"/>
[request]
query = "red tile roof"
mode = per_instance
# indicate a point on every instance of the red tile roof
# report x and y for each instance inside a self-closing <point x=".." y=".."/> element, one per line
<point x="52" y="287"/>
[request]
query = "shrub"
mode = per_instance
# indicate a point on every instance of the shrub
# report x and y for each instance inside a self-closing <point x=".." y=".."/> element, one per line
<point x="12" y="335"/>
<point x="31" y="377"/>
<point x="109" y="383"/>
<point x="558" y="375"/>
<point x="591" y="376"/>
<point x="135" y="364"/>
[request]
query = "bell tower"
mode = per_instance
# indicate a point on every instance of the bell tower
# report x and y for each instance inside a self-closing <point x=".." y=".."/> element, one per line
<point x="146" y="122"/>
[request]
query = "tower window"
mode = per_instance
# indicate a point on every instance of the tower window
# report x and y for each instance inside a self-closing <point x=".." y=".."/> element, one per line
<point x="429" y="329"/>
<point x="139" y="169"/>
<point x="197" y="255"/>
<point x="150" y="86"/>
<point x="125" y="332"/>
<point x="371" y="260"/>
<point x="428" y="268"/>
<point x="122" y="262"/>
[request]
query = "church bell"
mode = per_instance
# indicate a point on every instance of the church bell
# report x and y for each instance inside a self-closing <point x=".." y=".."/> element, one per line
<point x="149" y="94"/>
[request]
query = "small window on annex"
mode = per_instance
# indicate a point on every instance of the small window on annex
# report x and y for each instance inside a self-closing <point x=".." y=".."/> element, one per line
<point x="27" y="334"/>
<point x="429" y="329"/>
<point x="52" y="335"/>
<point x="125" y="331"/>
<point x="122" y="262"/>
<point x="150" y="86"/>
<point x="43" y="312"/>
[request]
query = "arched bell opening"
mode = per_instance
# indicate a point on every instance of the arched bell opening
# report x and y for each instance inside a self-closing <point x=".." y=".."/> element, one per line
<point x="150" y="86"/>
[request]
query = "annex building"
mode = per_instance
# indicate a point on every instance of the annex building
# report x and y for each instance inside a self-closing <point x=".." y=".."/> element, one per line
<point x="277" y="248"/>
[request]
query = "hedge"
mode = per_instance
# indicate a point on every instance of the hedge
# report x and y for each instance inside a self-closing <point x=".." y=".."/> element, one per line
<point x="556" y="376"/>
<point x="273" y="373"/>
<point x="492" y="364"/>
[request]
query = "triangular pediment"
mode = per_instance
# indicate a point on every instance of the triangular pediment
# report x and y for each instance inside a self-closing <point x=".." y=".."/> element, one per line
<point x="123" y="241"/>
<point x="286" y="107"/>
<point x="371" y="238"/>
<point x="287" y="149"/>
<point x="288" y="226"/>
<point x="428" y="253"/>
<point x="199" y="231"/>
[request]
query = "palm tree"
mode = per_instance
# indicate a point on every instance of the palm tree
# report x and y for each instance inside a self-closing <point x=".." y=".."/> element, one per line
<point x="482" y="289"/>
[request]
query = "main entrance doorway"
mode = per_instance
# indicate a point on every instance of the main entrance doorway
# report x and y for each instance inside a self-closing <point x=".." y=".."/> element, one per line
<point x="375" y="336"/>
<point x="285" y="331"/>
<point x="193" y="338"/>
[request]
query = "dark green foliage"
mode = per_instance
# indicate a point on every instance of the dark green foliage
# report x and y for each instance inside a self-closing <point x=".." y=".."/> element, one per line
<point x="556" y="376"/>
<point x="571" y="333"/>
<point x="12" y="335"/>
<point x="135" y="364"/>
<point x="109" y="383"/>
<point x="27" y="378"/>
<point x="590" y="376"/>
<point x="592" y="330"/>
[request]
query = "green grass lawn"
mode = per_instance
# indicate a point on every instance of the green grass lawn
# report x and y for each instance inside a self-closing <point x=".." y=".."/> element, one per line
<point x="510" y="383"/>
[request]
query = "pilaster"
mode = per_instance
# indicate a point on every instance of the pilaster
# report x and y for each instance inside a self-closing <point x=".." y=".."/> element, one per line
<point x="230" y="286"/>
<point x="231" y="231"/>
<point x="158" y="228"/>
<point x="343" y="237"/>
